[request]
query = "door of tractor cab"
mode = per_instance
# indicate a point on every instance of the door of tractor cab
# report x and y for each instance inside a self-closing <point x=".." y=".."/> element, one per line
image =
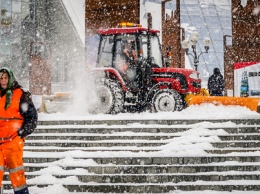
<point x="126" y="59"/>
<point x="125" y="54"/>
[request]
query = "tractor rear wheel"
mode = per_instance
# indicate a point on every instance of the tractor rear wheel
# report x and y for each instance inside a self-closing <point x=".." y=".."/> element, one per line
<point x="166" y="100"/>
<point x="109" y="98"/>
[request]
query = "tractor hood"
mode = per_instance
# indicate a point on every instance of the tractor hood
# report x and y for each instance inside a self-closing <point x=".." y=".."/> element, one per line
<point x="183" y="80"/>
<point x="169" y="71"/>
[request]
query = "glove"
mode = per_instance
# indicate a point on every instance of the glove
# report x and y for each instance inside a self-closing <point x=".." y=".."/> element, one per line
<point x="22" y="133"/>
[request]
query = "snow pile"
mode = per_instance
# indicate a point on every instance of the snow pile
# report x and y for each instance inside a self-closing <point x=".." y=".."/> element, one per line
<point x="203" y="111"/>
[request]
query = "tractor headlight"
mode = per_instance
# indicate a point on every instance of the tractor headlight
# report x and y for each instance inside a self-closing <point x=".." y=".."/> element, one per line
<point x="194" y="75"/>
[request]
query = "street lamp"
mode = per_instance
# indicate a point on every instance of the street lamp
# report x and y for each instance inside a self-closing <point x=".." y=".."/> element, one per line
<point x="192" y="42"/>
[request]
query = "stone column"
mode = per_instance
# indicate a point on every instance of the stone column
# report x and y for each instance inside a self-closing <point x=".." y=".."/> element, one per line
<point x="40" y="70"/>
<point x="171" y="35"/>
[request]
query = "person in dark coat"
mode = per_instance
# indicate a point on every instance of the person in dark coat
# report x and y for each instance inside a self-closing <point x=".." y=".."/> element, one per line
<point x="216" y="83"/>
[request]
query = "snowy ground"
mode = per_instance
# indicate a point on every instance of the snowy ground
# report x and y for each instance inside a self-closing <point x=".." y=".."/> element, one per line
<point x="204" y="111"/>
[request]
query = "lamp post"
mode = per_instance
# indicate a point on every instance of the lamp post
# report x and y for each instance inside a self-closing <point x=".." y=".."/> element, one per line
<point x="192" y="42"/>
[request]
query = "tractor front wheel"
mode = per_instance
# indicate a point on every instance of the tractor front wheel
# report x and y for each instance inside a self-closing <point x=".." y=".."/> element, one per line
<point x="109" y="98"/>
<point x="166" y="100"/>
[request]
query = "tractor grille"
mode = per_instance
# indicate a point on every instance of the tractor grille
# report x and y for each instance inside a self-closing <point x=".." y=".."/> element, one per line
<point x="196" y="84"/>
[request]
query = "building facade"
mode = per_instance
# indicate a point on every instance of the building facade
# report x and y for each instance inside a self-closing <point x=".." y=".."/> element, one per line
<point x="245" y="37"/>
<point x="40" y="43"/>
<point x="107" y="14"/>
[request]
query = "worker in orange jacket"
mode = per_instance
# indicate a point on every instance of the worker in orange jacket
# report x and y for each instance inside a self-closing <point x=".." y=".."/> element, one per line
<point x="18" y="118"/>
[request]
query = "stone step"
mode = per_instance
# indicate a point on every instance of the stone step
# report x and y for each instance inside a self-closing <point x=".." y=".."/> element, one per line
<point x="105" y="158"/>
<point x="144" y="129"/>
<point x="98" y="137"/>
<point x="237" y="144"/>
<point x="232" y="150"/>
<point x="130" y="143"/>
<point x="87" y="144"/>
<point x="153" y="187"/>
<point x="237" y="137"/>
<point x="151" y="169"/>
<point x="133" y="149"/>
<point x="132" y="136"/>
<point x="164" y="187"/>
<point x="91" y="149"/>
<point x="246" y="121"/>
<point x="149" y="178"/>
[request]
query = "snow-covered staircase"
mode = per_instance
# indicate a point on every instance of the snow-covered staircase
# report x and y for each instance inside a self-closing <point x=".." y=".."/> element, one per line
<point x="144" y="156"/>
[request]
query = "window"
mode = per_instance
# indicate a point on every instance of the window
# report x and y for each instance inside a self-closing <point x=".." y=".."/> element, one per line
<point x="6" y="12"/>
<point x="156" y="54"/>
<point x="125" y="52"/>
<point x="155" y="50"/>
<point x="5" y="46"/>
<point x="27" y="10"/>
<point x="105" y="51"/>
<point x="92" y="43"/>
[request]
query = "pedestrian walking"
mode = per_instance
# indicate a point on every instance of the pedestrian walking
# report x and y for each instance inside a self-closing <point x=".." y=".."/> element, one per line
<point x="18" y="119"/>
<point x="216" y="83"/>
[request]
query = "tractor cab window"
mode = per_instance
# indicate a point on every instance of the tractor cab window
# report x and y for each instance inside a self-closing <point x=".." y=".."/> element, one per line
<point x="144" y="47"/>
<point x="125" y="53"/>
<point x="105" y="51"/>
<point x="155" y="53"/>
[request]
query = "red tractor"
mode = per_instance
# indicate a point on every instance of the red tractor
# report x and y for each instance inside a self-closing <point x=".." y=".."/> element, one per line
<point x="131" y="74"/>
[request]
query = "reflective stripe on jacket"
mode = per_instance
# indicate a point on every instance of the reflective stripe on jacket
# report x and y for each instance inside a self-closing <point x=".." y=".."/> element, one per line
<point x="10" y="119"/>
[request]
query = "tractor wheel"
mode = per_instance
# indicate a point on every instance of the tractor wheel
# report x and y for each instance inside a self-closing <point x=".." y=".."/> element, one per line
<point x="108" y="98"/>
<point x="166" y="100"/>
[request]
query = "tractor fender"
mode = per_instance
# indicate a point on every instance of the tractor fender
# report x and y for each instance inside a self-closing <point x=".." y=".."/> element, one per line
<point x="111" y="73"/>
<point x="158" y="85"/>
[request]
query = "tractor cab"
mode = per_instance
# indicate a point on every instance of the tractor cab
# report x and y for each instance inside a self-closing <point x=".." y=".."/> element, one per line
<point x="132" y="50"/>
<point x="144" y="43"/>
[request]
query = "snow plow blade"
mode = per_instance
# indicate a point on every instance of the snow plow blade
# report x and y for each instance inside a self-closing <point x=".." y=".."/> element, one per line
<point x="58" y="102"/>
<point x="251" y="103"/>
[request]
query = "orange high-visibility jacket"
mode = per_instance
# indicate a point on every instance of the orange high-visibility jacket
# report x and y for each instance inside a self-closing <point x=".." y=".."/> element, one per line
<point x="124" y="67"/>
<point x="128" y="53"/>
<point x="10" y="119"/>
